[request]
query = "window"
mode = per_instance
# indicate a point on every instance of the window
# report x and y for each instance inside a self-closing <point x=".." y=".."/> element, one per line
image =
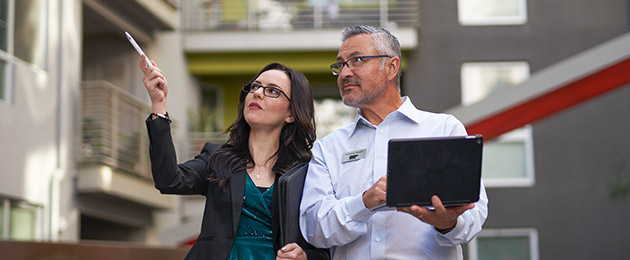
<point x="492" y="12"/>
<point x="208" y="118"/>
<point x="19" y="220"/>
<point x="479" y="79"/>
<point x="508" y="160"/>
<point x="4" y="25"/>
<point x="498" y="244"/>
<point x="23" y="32"/>
<point x="3" y="221"/>
<point x="23" y="222"/>
<point x="30" y="31"/>
<point x="4" y="90"/>
<point x="4" y="48"/>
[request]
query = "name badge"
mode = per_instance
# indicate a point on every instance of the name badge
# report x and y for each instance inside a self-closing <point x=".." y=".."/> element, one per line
<point x="353" y="156"/>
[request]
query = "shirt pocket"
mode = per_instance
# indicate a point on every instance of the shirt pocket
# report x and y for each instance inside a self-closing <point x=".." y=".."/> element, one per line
<point x="353" y="178"/>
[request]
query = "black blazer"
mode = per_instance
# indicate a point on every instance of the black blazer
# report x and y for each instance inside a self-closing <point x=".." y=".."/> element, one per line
<point x="223" y="205"/>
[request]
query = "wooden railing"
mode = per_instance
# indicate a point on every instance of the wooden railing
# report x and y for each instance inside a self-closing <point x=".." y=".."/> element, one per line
<point x="87" y="250"/>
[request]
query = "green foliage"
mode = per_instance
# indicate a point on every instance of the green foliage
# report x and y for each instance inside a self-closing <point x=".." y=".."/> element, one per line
<point x="202" y="120"/>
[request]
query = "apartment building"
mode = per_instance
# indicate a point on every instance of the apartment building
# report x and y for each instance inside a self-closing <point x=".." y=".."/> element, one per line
<point x="74" y="150"/>
<point x="545" y="81"/>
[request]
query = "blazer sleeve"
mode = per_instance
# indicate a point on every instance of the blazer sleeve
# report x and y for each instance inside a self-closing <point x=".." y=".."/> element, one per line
<point x="171" y="178"/>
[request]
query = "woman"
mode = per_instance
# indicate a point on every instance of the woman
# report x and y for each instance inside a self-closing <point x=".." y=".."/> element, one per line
<point x="274" y="131"/>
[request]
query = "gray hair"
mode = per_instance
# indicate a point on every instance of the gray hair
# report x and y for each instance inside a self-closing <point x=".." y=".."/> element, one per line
<point x="383" y="41"/>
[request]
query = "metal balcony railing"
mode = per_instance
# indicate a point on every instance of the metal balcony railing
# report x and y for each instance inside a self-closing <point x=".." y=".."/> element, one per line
<point x="113" y="130"/>
<point x="198" y="139"/>
<point x="287" y="15"/>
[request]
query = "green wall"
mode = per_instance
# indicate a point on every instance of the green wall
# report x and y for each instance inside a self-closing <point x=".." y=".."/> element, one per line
<point x="229" y="71"/>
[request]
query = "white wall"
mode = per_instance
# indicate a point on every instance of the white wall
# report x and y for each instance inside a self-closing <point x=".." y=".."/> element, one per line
<point x="38" y="128"/>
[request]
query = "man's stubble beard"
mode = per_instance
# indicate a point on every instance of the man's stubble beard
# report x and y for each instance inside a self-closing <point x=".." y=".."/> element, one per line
<point x="364" y="100"/>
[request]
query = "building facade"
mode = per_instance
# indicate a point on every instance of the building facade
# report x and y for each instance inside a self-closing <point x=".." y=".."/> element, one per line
<point x="74" y="145"/>
<point x="545" y="81"/>
<point x="537" y="67"/>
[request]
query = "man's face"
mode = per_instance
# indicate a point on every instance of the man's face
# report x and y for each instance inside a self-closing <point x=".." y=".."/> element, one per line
<point x="363" y="82"/>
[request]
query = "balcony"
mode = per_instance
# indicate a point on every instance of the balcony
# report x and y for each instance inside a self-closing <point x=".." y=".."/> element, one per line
<point x="113" y="129"/>
<point x="304" y="34"/>
<point x="114" y="158"/>
<point x="198" y="139"/>
<point x="287" y="15"/>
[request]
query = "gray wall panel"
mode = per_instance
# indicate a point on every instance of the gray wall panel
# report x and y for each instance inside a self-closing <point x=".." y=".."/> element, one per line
<point x="580" y="154"/>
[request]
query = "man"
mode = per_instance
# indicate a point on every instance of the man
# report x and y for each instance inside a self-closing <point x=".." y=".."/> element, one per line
<point x="340" y="193"/>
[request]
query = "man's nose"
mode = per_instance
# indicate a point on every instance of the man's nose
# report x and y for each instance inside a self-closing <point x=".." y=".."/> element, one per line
<point x="345" y="71"/>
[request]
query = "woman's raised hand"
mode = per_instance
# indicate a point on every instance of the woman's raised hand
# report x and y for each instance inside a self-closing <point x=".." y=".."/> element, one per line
<point x="156" y="86"/>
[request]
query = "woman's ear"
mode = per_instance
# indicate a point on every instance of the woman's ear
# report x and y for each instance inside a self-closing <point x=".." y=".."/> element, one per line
<point x="289" y="119"/>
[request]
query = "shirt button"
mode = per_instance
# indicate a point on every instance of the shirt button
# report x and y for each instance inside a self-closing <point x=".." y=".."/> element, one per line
<point x="377" y="239"/>
<point x="381" y="132"/>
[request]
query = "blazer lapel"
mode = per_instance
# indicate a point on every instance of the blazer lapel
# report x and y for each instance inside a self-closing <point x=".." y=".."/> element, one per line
<point x="237" y="188"/>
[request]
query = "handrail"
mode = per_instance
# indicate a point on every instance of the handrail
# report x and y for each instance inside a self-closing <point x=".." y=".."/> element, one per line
<point x="287" y="15"/>
<point x="25" y="250"/>
<point x="198" y="139"/>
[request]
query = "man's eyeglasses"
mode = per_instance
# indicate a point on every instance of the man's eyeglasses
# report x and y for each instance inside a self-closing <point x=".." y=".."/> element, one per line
<point x="272" y="92"/>
<point x="352" y="62"/>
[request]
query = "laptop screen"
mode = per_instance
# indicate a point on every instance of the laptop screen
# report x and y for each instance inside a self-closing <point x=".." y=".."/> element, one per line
<point x="449" y="167"/>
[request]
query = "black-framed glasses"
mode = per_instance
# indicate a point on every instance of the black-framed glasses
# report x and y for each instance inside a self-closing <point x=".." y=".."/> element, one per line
<point x="272" y="92"/>
<point x="352" y="62"/>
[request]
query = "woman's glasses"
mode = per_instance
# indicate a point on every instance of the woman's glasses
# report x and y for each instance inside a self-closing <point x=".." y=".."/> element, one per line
<point x="272" y="92"/>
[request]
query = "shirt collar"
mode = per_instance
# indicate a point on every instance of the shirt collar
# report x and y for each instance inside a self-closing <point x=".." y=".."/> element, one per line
<point x="407" y="109"/>
<point x="358" y="119"/>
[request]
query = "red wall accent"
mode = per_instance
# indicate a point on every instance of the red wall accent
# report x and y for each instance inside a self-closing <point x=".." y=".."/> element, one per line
<point x="553" y="102"/>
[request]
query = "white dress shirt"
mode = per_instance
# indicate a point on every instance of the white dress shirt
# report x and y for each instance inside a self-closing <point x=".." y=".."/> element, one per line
<point x="332" y="213"/>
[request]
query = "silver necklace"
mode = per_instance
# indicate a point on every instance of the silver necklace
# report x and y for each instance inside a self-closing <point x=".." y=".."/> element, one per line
<point x="258" y="174"/>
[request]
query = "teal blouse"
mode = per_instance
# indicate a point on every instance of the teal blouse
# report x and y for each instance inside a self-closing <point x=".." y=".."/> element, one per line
<point x="254" y="239"/>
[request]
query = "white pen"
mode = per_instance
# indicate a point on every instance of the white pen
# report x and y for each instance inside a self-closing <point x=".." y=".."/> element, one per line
<point x="135" y="46"/>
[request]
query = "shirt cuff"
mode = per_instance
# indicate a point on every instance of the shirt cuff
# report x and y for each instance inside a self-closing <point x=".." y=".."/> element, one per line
<point x="457" y="230"/>
<point x="357" y="210"/>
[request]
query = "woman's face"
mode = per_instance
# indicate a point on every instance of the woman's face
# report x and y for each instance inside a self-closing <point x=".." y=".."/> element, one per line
<point x="264" y="112"/>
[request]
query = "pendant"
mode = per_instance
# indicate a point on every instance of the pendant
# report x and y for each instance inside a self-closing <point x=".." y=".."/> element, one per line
<point x="258" y="176"/>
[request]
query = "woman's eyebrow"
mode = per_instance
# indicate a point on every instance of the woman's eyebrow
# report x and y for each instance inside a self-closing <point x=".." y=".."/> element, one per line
<point x="273" y="85"/>
<point x="268" y="85"/>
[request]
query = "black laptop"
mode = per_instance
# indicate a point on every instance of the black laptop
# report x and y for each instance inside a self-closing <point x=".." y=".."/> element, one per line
<point x="449" y="167"/>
